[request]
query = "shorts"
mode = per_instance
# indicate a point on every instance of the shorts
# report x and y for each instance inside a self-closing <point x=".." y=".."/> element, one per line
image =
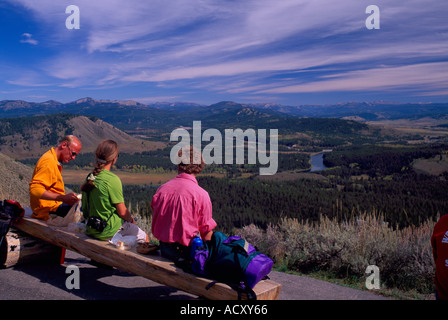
<point x="174" y="251"/>
<point x="62" y="210"/>
<point x="131" y="229"/>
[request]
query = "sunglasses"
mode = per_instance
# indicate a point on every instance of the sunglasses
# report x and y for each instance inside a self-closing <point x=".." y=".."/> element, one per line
<point x="74" y="154"/>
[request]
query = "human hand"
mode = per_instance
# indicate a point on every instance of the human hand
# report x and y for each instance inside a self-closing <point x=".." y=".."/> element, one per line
<point x="70" y="198"/>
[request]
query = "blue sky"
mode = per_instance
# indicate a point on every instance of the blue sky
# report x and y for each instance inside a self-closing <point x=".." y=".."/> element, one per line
<point x="290" y="52"/>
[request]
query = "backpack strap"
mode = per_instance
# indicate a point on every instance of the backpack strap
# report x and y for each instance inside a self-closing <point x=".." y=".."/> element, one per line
<point x="245" y="288"/>
<point x="239" y="290"/>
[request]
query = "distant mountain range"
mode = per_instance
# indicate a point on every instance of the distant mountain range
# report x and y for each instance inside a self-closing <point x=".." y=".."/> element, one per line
<point x="128" y="115"/>
<point x="368" y="111"/>
<point x="29" y="128"/>
<point x="154" y="121"/>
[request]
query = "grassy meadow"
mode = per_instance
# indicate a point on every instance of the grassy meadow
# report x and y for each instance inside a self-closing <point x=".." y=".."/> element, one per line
<point x="76" y="177"/>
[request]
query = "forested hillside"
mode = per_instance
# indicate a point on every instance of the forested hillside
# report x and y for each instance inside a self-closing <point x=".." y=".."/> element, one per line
<point x="396" y="191"/>
<point x="30" y="137"/>
<point x="14" y="177"/>
<point x="236" y="203"/>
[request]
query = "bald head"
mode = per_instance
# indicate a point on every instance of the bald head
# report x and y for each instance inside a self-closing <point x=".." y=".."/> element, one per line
<point x="69" y="147"/>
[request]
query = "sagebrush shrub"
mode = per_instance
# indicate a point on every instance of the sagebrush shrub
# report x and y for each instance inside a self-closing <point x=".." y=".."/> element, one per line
<point x="346" y="248"/>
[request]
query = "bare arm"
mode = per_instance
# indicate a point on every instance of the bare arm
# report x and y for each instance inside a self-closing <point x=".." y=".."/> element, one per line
<point x="124" y="213"/>
<point x="207" y="236"/>
<point x="70" y="198"/>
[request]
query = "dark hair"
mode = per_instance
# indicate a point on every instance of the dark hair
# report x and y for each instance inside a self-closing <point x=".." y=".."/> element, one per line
<point x="105" y="153"/>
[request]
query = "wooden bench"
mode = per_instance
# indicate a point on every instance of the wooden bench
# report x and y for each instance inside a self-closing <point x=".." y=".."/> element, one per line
<point x="153" y="267"/>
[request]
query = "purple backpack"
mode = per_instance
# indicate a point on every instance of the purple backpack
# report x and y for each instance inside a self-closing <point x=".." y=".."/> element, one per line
<point x="232" y="260"/>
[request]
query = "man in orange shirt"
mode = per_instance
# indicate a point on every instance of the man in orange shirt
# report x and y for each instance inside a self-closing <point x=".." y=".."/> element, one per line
<point x="47" y="191"/>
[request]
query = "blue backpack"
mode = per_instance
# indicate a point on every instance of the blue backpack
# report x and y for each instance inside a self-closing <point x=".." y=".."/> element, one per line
<point x="231" y="260"/>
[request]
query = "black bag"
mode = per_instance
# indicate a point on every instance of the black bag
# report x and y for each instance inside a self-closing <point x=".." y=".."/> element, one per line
<point x="10" y="211"/>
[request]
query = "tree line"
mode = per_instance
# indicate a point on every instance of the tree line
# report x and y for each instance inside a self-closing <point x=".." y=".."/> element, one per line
<point x="378" y="160"/>
<point x="403" y="197"/>
<point x="239" y="202"/>
<point x="160" y="159"/>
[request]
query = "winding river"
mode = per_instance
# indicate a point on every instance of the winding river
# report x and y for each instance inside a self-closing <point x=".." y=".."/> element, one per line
<point x="317" y="162"/>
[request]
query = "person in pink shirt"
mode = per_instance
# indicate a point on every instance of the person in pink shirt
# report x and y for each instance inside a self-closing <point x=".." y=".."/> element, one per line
<point x="181" y="208"/>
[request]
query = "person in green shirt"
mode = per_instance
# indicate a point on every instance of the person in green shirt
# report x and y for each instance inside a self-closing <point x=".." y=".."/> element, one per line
<point x="103" y="203"/>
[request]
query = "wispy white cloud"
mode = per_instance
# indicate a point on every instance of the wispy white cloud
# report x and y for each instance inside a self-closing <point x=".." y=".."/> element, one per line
<point x="28" y="38"/>
<point x="245" y="47"/>
<point x="424" y="77"/>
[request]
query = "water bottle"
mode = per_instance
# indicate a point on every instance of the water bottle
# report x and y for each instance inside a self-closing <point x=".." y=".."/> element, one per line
<point x="196" y="243"/>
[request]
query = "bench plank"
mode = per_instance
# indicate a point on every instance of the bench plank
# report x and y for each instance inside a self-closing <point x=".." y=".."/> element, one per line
<point x="152" y="267"/>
